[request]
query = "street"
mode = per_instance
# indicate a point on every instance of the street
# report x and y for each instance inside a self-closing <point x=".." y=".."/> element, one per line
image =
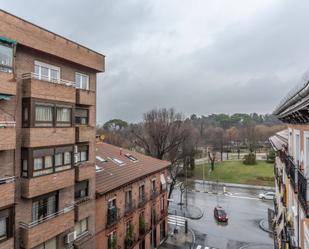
<point x="244" y="210"/>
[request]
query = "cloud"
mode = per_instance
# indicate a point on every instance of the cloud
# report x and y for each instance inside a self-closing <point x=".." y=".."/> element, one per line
<point x="196" y="56"/>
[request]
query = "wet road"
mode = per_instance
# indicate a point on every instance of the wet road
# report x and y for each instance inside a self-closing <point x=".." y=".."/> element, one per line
<point x="245" y="211"/>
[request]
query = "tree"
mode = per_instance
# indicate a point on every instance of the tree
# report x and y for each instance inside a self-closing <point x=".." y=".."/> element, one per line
<point x="161" y="135"/>
<point x="115" y="124"/>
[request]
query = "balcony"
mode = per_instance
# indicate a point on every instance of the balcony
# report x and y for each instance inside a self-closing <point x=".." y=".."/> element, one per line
<point x="142" y="201"/>
<point x="85" y="97"/>
<point x="84" y="208"/>
<point x="303" y="192"/>
<point x="7" y="191"/>
<point x="36" y="86"/>
<point x="38" y="137"/>
<point x="113" y="216"/>
<point x="7" y="83"/>
<point x="31" y="187"/>
<point x="84" y="171"/>
<point x="85" y="133"/>
<point x="154" y="194"/>
<point x="35" y="233"/>
<point x="291" y="170"/>
<point x="129" y="207"/>
<point x="7" y="135"/>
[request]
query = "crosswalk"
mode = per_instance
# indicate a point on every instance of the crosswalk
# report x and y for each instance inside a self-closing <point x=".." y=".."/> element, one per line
<point x="176" y="220"/>
<point x="204" y="247"/>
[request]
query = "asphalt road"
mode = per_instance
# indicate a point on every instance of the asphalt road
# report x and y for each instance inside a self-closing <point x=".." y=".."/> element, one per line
<point x="244" y="210"/>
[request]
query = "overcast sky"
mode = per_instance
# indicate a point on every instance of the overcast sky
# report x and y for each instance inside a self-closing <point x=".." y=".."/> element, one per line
<point x="203" y="57"/>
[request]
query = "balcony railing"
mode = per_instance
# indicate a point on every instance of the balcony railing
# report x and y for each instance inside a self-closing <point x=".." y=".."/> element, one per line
<point x="48" y="79"/>
<point x="143" y="230"/>
<point x="112" y="216"/>
<point x="129" y="207"/>
<point x="292" y="172"/>
<point x="142" y="200"/>
<point x="9" y="179"/>
<point x="7" y="124"/>
<point x="30" y="225"/>
<point x="302" y="191"/>
<point x="153" y="194"/>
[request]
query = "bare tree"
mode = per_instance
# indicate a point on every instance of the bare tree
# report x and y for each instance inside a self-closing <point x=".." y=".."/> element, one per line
<point x="161" y="135"/>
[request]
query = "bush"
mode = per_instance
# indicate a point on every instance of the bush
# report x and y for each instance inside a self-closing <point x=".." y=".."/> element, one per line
<point x="271" y="156"/>
<point x="250" y="159"/>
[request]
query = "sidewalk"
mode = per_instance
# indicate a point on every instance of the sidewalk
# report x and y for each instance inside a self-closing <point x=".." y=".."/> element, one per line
<point x="234" y="185"/>
<point x="192" y="212"/>
<point x="180" y="240"/>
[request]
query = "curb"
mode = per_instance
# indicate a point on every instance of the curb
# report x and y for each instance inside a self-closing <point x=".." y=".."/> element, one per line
<point x="235" y="185"/>
<point x="261" y="225"/>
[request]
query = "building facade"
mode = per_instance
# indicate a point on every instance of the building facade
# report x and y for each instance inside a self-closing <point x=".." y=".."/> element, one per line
<point x="131" y="199"/>
<point x="47" y="138"/>
<point x="292" y="172"/>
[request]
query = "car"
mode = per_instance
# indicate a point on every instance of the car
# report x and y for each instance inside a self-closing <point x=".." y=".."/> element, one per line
<point x="267" y="195"/>
<point x="220" y="214"/>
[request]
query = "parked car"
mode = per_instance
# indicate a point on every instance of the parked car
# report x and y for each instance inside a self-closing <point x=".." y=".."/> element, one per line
<point x="267" y="195"/>
<point x="220" y="214"/>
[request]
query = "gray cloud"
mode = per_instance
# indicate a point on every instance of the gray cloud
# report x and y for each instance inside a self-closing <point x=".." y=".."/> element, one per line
<point x="197" y="56"/>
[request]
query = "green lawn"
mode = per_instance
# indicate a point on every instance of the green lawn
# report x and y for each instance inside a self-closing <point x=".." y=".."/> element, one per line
<point x="236" y="172"/>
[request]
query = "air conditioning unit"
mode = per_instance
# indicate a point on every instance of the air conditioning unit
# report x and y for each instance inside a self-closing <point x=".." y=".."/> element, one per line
<point x="70" y="237"/>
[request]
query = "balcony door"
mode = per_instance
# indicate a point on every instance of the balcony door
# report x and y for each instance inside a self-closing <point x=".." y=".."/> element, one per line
<point x="297" y="147"/>
<point x="306" y="156"/>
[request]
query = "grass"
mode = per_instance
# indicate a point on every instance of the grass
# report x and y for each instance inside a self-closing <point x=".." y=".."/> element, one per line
<point x="236" y="172"/>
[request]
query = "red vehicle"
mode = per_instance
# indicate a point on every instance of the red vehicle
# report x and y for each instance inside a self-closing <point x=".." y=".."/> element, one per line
<point x="220" y="214"/>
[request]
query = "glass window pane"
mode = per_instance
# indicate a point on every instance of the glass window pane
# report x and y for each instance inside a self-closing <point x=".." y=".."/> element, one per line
<point x="37" y="70"/>
<point x="58" y="159"/>
<point x="63" y="114"/>
<point x="44" y="73"/>
<point x="84" y="225"/>
<point x="54" y="74"/>
<point x="83" y="155"/>
<point x="6" y="56"/>
<point x="3" y="229"/>
<point x="44" y="113"/>
<point x="38" y="163"/>
<point x="67" y="157"/>
<point x="78" y="80"/>
<point x="48" y="162"/>
<point x="51" y="244"/>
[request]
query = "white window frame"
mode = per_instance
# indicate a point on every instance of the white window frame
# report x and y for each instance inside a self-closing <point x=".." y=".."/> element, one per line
<point x="78" y="83"/>
<point x="297" y="153"/>
<point x="49" y="66"/>
<point x="306" y="155"/>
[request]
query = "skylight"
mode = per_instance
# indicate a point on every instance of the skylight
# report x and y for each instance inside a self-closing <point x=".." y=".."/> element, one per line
<point x="98" y="168"/>
<point x="101" y="159"/>
<point x="132" y="158"/>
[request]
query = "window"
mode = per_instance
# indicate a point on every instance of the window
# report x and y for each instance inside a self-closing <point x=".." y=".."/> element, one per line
<point x="44" y="206"/>
<point x="46" y="72"/>
<point x="132" y="158"/>
<point x="153" y="185"/>
<point x="64" y="116"/>
<point x="82" y="153"/>
<point x="162" y="203"/>
<point x="81" y="116"/>
<point x="162" y="230"/>
<point x="24" y="168"/>
<point x="81" y="189"/>
<point x="50" y="244"/>
<point x="63" y="158"/>
<point x="6" y="58"/>
<point x="111" y="240"/>
<point x="81" y="227"/>
<point x="128" y="200"/>
<point x="142" y="244"/>
<point x="82" y="81"/>
<point x="43" y="115"/>
<point x="142" y="193"/>
<point x="6" y="224"/>
<point x="42" y="165"/>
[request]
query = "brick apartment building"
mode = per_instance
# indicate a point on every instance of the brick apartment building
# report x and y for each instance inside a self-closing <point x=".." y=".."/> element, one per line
<point x="47" y="138"/>
<point x="131" y="199"/>
<point x="292" y="171"/>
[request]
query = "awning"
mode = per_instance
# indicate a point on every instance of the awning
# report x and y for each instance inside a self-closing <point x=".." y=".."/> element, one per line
<point x="5" y="97"/>
<point x="162" y="179"/>
<point x="8" y="40"/>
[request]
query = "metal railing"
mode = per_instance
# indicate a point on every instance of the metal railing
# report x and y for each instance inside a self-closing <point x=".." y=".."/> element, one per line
<point x="292" y="172"/>
<point x="142" y="200"/>
<point x="7" y="124"/>
<point x="46" y="218"/>
<point x="48" y="79"/>
<point x="129" y="207"/>
<point x="112" y="216"/>
<point x="302" y="191"/>
<point x="7" y="179"/>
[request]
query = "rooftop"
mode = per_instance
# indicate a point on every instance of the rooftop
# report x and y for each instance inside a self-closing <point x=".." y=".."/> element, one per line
<point x="279" y="141"/>
<point x="117" y="167"/>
